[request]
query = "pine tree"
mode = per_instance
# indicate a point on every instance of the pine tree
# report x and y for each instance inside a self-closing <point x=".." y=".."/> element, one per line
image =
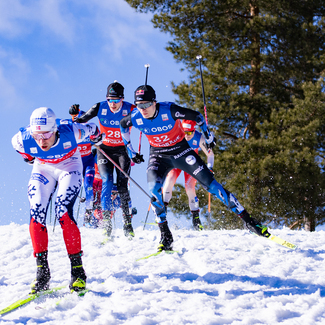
<point x="262" y="63"/>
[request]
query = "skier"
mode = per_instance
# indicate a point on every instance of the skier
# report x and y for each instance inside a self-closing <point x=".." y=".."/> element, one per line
<point x="196" y="141"/>
<point x="51" y="146"/>
<point x="160" y="122"/>
<point x="109" y="114"/>
<point x="88" y="163"/>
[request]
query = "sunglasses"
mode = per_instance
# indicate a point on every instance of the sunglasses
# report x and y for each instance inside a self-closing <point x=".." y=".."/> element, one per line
<point x="188" y="132"/>
<point x="114" y="193"/>
<point x="144" y="105"/>
<point x="116" y="101"/>
<point x="44" y="136"/>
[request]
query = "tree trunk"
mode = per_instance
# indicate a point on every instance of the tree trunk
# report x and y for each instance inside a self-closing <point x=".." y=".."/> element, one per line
<point x="310" y="223"/>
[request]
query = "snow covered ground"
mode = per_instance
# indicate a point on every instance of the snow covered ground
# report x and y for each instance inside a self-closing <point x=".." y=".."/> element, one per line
<point x="218" y="277"/>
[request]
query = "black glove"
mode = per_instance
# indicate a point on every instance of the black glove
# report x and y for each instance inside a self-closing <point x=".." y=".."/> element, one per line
<point x="97" y="139"/>
<point x="29" y="162"/>
<point x="138" y="159"/>
<point x="211" y="142"/>
<point x="74" y="109"/>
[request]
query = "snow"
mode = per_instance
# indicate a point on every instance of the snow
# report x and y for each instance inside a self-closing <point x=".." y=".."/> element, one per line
<point x="218" y="277"/>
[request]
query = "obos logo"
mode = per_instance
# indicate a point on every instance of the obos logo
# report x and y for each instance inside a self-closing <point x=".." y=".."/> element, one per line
<point x="146" y="130"/>
<point x="190" y="160"/>
<point x="162" y="128"/>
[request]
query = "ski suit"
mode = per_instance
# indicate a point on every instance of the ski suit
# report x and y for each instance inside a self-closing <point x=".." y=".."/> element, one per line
<point x="169" y="149"/>
<point x="58" y="168"/>
<point x="114" y="147"/>
<point x="196" y="142"/>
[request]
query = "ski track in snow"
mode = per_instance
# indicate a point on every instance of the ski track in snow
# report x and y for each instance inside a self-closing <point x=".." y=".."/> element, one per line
<point x="218" y="277"/>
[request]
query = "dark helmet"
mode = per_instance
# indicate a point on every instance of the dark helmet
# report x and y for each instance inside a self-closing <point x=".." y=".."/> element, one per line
<point x="144" y="93"/>
<point x="115" y="89"/>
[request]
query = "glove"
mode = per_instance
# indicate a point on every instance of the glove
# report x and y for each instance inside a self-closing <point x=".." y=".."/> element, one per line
<point x="138" y="159"/>
<point x="97" y="139"/>
<point x="134" y="211"/>
<point x="29" y="162"/>
<point x="211" y="141"/>
<point x="74" y="109"/>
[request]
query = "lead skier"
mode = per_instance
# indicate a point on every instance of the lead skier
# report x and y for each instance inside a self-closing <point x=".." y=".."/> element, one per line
<point x="51" y="146"/>
<point x="161" y="123"/>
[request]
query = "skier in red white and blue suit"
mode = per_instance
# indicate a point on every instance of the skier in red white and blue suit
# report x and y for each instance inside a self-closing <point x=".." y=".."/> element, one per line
<point x="161" y="123"/>
<point x="109" y="113"/>
<point x="50" y="145"/>
<point x="88" y="163"/>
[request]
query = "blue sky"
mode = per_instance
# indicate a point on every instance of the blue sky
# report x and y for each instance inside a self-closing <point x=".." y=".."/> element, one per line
<point x="59" y="52"/>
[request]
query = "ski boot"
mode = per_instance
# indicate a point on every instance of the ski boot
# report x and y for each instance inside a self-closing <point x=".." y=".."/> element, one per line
<point x="253" y="226"/>
<point x="107" y="222"/>
<point x="78" y="275"/>
<point x="166" y="240"/>
<point x="43" y="276"/>
<point x="88" y="218"/>
<point x="197" y="225"/>
<point x="127" y="227"/>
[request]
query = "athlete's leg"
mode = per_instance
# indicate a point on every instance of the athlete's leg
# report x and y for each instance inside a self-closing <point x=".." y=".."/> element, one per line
<point x="89" y="174"/>
<point x="40" y="189"/>
<point x="69" y="184"/>
<point x="105" y="168"/>
<point x="169" y="183"/>
<point x="192" y="164"/>
<point x="190" y="183"/>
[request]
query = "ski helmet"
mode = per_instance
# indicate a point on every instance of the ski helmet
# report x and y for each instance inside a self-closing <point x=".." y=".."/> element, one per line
<point x="43" y="119"/>
<point x="188" y="125"/>
<point x="144" y="93"/>
<point x="115" y="89"/>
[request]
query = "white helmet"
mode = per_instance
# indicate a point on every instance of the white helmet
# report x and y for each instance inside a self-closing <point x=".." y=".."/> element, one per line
<point x="43" y="119"/>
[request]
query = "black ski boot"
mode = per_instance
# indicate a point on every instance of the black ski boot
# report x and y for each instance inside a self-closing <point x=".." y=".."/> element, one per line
<point x="197" y="225"/>
<point x="107" y="222"/>
<point x="127" y="227"/>
<point x="166" y="240"/>
<point x="78" y="275"/>
<point x="88" y="217"/>
<point x="43" y="276"/>
<point x="253" y="226"/>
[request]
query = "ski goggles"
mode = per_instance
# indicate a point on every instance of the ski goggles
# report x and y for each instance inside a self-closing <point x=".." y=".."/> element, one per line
<point x="188" y="132"/>
<point x="44" y="136"/>
<point x="144" y="105"/>
<point x="115" y="101"/>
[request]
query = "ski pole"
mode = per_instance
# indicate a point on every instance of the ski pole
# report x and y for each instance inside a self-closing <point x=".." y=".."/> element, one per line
<point x="79" y="203"/>
<point x="147" y="69"/>
<point x="147" y="216"/>
<point x="199" y="57"/>
<point x="122" y="171"/>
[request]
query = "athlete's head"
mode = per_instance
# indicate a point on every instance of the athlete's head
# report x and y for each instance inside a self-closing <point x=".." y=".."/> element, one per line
<point x="115" y="95"/>
<point x="189" y="128"/>
<point x="145" y="99"/>
<point x="43" y="127"/>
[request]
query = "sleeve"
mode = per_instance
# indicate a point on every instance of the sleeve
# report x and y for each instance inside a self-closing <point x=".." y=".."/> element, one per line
<point x="83" y="131"/>
<point x="17" y="142"/>
<point x="125" y="127"/>
<point x="208" y="152"/>
<point x="92" y="112"/>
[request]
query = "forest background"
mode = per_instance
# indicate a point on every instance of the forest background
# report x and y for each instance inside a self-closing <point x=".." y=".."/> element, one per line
<point x="263" y="72"/>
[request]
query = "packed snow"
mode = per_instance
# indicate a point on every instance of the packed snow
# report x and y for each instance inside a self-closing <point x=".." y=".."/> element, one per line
<point x="217" y="277"/>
